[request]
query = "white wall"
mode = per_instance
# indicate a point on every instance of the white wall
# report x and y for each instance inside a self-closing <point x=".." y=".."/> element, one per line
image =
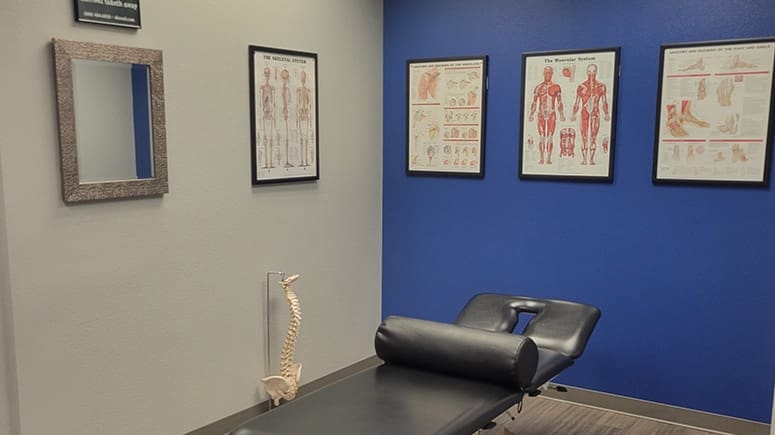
<point x="144" y="316"/>
<point x="8" y="397"/>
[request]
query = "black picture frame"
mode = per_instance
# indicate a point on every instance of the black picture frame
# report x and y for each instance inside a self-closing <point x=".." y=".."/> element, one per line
<point x="283" y="71"/>
<point x="435" y="87"/>
<point x="714" y="151"/>
<point x="82" y="9"/>
<point x="535" y="160"/>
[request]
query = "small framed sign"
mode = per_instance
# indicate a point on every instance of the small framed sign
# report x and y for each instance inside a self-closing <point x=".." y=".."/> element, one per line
<point x="122" y="13"/>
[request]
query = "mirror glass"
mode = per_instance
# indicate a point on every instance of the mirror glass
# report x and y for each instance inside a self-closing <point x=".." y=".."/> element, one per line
<point x="112" y="120"/>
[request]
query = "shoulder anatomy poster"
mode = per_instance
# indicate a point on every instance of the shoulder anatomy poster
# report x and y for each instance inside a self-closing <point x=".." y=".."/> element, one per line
<point x="284" y="115"/>
<point x="445" y="124"/>
<point x="715" y="105"/>
<point x="568" y="111"/>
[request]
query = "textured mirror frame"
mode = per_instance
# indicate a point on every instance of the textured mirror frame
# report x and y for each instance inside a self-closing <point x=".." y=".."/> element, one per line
<point x="72" y="188"/>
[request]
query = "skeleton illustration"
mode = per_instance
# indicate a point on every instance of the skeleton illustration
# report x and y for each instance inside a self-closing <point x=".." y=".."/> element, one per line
<point x="589" y="96"/>
<point x="687" y="116"/>
<point x="699" y="65"/>
<point x="730" y="124"/>
<point x="701" y="91"/>
<point x="286" y="93"/>
<point x="736" y="63"/>
<point x="738" y="153"/>
<point x="286" y="385"/>
<point x="547" y="96"/>
<point x="433" y="130"/>
<point x="724" y="92"/>
<point x="304" y="118"/>
<point x="267" y="92"/>
<point x="419" y="115"/>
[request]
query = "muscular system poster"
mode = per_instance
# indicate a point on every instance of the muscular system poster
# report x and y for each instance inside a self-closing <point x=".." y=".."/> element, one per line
<point x="284" y="105"/>
<point x="714" y="112"/>
<point x="568" y="111"/>
<point x="445" y="125"/>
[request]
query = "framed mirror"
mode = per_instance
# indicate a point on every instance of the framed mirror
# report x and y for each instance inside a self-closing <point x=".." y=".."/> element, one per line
<point x="112" y="136"/>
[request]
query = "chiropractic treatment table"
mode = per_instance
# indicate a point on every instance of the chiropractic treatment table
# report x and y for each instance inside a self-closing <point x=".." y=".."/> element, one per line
<point x="443" y="379"/>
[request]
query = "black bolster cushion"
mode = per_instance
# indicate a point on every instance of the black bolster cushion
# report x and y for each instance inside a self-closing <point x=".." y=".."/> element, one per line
<point x="499" y="357"/>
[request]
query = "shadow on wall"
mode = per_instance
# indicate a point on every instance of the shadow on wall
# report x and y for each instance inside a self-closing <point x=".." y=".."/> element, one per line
<point x="9" y="398"/>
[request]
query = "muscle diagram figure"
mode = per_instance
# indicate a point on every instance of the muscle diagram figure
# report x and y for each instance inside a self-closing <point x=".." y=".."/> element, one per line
<point x="267" y="117"/>
<point x="590" y="95"/>
<point x="724" y="92"/>
<point x="471" y="101"/>
<point x="567" y="142"/>
<point x="428" y="82"/>
<point x="286" y="94"/>
<point x="286" y="385"/>
<point x="701" y="89"/>
<point x="304" y="119"/>
<point x="547" y="96"/>
<point x="676" y="119"/>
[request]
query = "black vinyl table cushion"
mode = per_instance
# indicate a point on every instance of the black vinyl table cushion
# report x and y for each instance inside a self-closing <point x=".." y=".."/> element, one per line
<point x="389" y="400"/>
<point x="417" y="395"/>
<point x="503" y="358"/>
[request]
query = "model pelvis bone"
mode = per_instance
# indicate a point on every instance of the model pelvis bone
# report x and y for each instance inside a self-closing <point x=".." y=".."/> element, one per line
<point x="286" y="385"/>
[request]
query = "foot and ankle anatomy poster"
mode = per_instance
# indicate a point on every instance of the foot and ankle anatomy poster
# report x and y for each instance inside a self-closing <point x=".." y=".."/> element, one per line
<point x="568" y="111"/>
<point x="284" y="115"/>
<point x="715" y="105"/>
<point x="445" y="123"/>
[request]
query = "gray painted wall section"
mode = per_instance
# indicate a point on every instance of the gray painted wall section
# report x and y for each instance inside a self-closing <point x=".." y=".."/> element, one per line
<point x="9" y="401"/>
<point x="145" y="316"/>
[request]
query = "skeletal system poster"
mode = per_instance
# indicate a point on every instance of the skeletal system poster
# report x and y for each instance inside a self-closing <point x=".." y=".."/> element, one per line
<point x="285" y="115"/>
<point x="445" y="115"/>
<point x="568" y="112"/>
<point x="714" y="112"/>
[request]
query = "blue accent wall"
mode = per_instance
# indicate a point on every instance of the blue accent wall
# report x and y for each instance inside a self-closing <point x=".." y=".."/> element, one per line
<point x="684" y="275"/>
<point x="142" y="120"/>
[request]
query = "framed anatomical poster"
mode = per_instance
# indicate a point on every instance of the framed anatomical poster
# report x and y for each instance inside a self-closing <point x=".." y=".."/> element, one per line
<point x="446" y="100"/>
<point x="283" y="115"/>
<point x="714" y="112"/>
<point x="568" y="114"/>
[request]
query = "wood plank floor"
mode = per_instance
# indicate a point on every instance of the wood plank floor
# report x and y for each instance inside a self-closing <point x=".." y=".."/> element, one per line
<point x="543" y="416"/>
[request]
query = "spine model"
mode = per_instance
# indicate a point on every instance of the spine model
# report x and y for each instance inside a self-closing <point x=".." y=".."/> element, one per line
<point x="286" y="385"/>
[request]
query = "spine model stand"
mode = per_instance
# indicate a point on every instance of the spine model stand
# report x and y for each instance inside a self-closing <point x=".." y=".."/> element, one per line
<point x="286" y="385"/>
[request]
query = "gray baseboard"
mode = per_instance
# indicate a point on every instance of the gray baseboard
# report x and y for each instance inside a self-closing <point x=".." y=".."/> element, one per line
<point x="658" y="411"/>
<point x="226" y="424"/>
<point x="610" y="402"/>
